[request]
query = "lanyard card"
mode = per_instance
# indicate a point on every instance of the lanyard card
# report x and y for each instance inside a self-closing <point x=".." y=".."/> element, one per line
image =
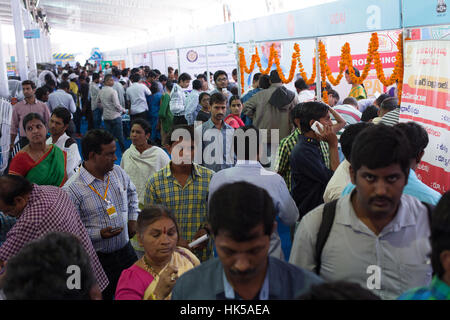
<point x="111" y="210"/>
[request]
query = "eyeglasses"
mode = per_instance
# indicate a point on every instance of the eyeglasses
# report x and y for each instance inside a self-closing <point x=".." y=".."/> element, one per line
<point x="222" y="79"/>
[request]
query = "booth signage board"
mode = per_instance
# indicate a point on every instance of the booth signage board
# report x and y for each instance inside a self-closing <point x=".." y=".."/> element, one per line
<point x="158" y="61"/>
<point x="346" y="16"/>
<point x="32" y="34"/>
<point x="425" y="100"/>
<point x="359" y="46"/>
<point x="103" y="64"/>
<point x="423" y="13"/>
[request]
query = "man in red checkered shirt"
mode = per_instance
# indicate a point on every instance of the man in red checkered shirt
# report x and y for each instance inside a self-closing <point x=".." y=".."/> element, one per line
<point x="40" y="210"/>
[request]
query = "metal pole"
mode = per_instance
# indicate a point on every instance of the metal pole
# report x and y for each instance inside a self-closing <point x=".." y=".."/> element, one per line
<point x="238" y="70"/>
<point x="318" y="84"/>
<point x="20" y="48"/>
<point x="179" y="64"/>
<point x="30" y="44"/>
<point x="4" y="89"/>
<point x="208" y="78"/>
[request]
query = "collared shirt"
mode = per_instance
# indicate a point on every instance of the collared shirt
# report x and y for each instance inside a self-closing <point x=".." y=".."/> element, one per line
<point x="109" y="101"/>
<point x="191" y="106"/>
<point x="437" y="290"/>
<point x="283" y="157"/>
<point x="188" y="203"/>
<point x="73" y="155"/>
<point x="92" y="209"/>
<point x="6" y="223"/>
<point x="49" y="209"/>
<point x="137" y="93"/>
<point x="94" y="90"/>
<point x="414" y="187"/>
<point x="338" y="182"/>
<point x="225" y="155"/>
<point x="352" y="251"/>
<point x="254" y="173"/>
<point x="21" y="109"/>
<point x="310" y="176"/>
<point x="60" y="98"/>
<point x="120" y="92"/>
<point x="231" y="295"/>
<point x="391" y="118"/>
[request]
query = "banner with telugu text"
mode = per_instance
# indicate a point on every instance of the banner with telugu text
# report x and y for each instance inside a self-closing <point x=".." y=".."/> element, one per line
<point x="425" y="100"/>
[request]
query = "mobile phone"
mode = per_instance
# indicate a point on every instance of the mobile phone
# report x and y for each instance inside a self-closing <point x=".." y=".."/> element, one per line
<point x="315" y="127"/>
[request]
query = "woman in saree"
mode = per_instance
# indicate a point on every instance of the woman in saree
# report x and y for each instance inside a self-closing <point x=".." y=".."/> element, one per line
<point x="140" y="162"/>
<point x="358" y="91"/>
<point x="38" y="162"/>
<point x="153" y="276"/>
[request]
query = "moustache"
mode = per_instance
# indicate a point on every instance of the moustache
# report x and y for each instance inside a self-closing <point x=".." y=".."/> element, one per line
<point x="373" y="199"/>
<point x="242" y="273"/>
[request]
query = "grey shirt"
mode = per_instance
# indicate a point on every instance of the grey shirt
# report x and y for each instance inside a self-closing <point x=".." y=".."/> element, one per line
<point x="109" y="101"/>
<point x="60" y="98"/>
<point x="401" y="250"/>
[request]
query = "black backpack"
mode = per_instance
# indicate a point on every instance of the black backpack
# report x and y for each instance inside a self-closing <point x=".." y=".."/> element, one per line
<point x="329" y="212"/>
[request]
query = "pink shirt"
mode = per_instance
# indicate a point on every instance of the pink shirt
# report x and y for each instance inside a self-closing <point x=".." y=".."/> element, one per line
<point x="21" y="109"/>
<point x="132" y="283"/>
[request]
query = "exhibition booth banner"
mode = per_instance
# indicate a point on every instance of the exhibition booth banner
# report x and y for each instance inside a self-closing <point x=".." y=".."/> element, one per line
<point x="425" y="100"/>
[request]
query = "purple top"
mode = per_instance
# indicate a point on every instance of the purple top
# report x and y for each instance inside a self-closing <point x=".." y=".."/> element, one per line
<point x="21" y="109"/>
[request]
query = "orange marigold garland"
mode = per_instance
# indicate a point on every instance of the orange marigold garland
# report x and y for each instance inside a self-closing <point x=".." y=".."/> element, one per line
<point x="323" y="62"/>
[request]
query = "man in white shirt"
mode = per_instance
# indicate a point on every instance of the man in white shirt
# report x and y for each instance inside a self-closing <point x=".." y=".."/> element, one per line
<point x="136" y="94"/>
<point x="62" y="98"/>
<point x="341" y="177"/>
<point x="376" y="236"/>
<point x="112" y="110"/>
<point x="118" y="87"/>
<point x="303" y="92"/>
<point x="192" y="102"/>
<point x="58" y="124"/>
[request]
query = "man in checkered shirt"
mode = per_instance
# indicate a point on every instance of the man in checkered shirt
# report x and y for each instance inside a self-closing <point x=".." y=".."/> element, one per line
<point x="40" y="210"/>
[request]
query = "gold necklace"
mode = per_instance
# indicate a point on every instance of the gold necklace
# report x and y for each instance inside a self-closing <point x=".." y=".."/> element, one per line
<point x="149" y="268"/>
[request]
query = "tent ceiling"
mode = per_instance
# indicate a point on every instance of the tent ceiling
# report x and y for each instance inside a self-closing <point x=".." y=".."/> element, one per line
<point x="111" y="16"/>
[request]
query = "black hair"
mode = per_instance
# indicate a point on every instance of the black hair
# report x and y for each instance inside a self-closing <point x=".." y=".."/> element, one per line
<point x="169" y="85"/>
<point x="417" y="136"/>
<point x="116" y="73"/>
<point x="264" y="82"/>
<point x="135" y="77"/>
<point x="295" y="113"/>
<point x="246" y="142"/>
<point x="32" y="116"/>
<point x="39" y="271"/>
<point x="107" y="77"/>
<point x="158" y="73"/>
<point x="93" y="141"/>
<point x="338" y="290"/>
<point x="234" y="72"/>
<point x="440" y="233"/>
<point x="389" y="104"/>
<point x="152" y="74"/>
<point x="163" y="78"/>
<point x="274" y="77"/>
<point x="50" y="84"/>
<point x="95" y="76"/>
<point x="234" y="90"/>
<point x="370" y="113"/>
<point x="239" y="207"/>
<point x="200" y="97"/>
<point x="333" y="93"/>
<point x="311" y="110"/>
<point x="235" y="97"/>
<point x="183" y="77"/>
<point x="124" y="72"/>
<point x="381" y="98"/>
<point x="153" y="213"/>
<point x="351" y="101"/>
<point x="217" y="97"/>
<point x="12" y="186"/>
<point x="42" y="91"/>
<point x="196" y="84"/>
<point x="187" y="128"/>
<point x="256" y="76"/>
<point x="380" y="146"/>
<point x="154" y="88"/>
<point x="143" y="124"/>
<point x="63" y="114"/>
<point x="29" y="83"/>
<point x="355" y="70"/>
<point x="201" y="76"/>
<point x="301" y="84"/>
<point x="219" y="73"/>
<point x="64" y="85"/>
<point x="349" y="136"/>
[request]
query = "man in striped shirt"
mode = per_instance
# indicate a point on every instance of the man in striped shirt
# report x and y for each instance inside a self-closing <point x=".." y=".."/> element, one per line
<point x="107" y="202"/>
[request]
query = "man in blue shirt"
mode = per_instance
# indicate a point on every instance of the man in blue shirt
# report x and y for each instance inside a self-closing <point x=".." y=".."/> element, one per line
<point x="418" y="141"/>
<point x="241" y="219"/>
<point x="309" y="174"/>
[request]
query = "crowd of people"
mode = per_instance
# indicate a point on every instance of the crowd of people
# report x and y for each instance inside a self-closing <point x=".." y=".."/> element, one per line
<point x="191" y="210"/>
